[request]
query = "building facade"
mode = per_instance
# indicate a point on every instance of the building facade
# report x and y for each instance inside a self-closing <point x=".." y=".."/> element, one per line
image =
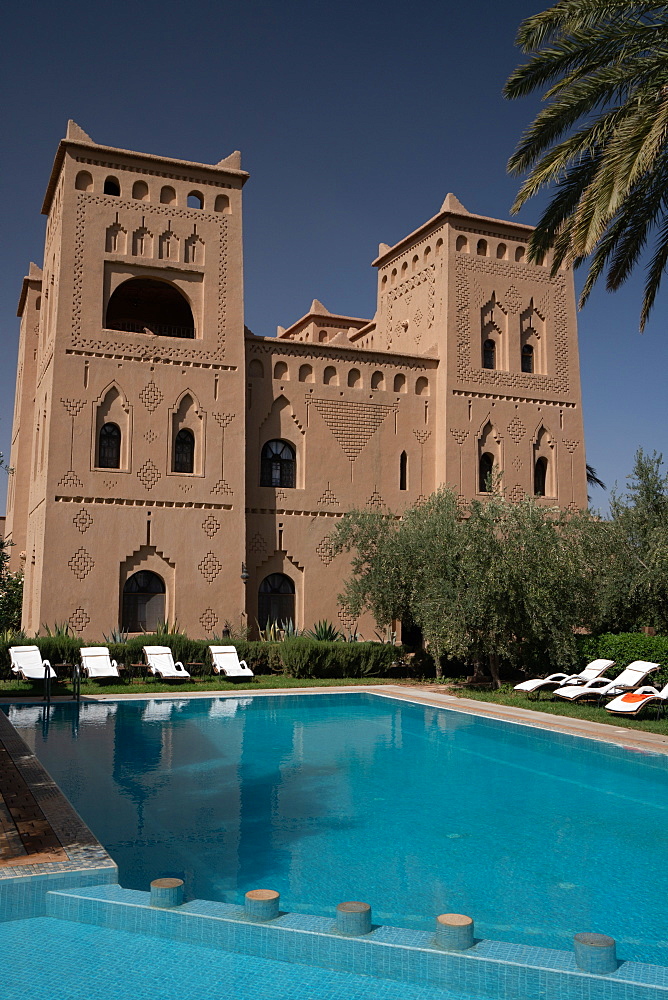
<point x="170" y="465"/>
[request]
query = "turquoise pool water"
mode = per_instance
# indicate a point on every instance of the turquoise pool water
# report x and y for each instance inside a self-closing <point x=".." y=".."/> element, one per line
<point x="415" y="810"/>
<point x="64" y="963"/>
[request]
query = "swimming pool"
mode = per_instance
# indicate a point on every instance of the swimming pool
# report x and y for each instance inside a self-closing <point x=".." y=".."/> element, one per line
<point x="416" y="810"/>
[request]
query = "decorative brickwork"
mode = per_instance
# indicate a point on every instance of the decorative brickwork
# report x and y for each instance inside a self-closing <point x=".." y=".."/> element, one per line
<point x="210" y="567"/>
<point x="460" y="436"/>
<point x="82" y="521"/>
<point x="81" y="563"/>
<point x="375" y="500"/>
<point x="210" y="525"/>
<point x="224" y="419"/>
<point x="208" y="620"/>
<point x="151" y="396"/>
<point x="352" y="424"/>
<point x="222" y="489"/>
<point x="79" y="620"/>
<point x="570" y="446"/>
<point x="329" y="498"/>
<point x="517" y="493"/>
<point x="149" y="474"/>
<point x="325" y="550"/>
<point x="257" y="544"/>
<point x="422" y="435"/>
<point x="516" y="429"/>
<point x="73" y="406"/>
<point x="71" y="480"/>
<point x="150" y="436"/>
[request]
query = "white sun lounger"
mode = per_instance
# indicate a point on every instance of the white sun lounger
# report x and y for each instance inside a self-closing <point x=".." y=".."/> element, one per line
<point x="158" y="711"/>
<point x="226" y="661"/>
<point x="633" y="702"/>
<point x="161" y="662"/>
<point x="629" y="679"/>
<point x="26" y="716"/>
<point x="590" y="672"/>
<point x="96" y="662"/>
<point x="27" y="662"/>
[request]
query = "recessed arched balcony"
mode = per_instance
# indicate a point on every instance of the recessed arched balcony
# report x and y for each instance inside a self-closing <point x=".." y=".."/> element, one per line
<point x="147" y="305"/>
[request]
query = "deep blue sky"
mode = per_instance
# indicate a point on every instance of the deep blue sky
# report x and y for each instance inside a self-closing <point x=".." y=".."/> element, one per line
<point x="354" y="119"/>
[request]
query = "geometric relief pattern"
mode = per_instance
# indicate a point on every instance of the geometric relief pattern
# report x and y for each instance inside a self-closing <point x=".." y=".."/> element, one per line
<point x="257" y="544"/>
<point x="352" y="424"/>
<point x="325" y="550"/>
<point x="375" y="500"/>
<point x="151" y="396"/>
<point x="222" y="488"/>
<point x="73" y="406"/>
<point x="422" y="435"/>
<point x="210" y="567"/>
<point x="71" y="479"/>
<point x="516" y="429"/>
<point x="517" y="494"/>
<point x="517" y="463"/>
<point x="459" y="435"/>
<point x="150" y="436"/>
<point x="329" y="498"/>
<point x="83" y="520"/>
<point x="570" y="446"/>
<point x="346" y="619"/>
<point x="223" y="419"/>
<point x="211" y="525"/>
<point x="148" y="474"/>
<point x="78" y="620"/>
<point x="513" y="300"/>
<point x="81" y="563"/>
<point x="208" y="620"/>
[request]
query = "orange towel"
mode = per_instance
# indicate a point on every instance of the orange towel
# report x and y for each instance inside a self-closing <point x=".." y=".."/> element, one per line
<point x="632" y="698"/>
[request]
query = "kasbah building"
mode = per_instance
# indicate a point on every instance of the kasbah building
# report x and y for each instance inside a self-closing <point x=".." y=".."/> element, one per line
<point x="170" y="465"/>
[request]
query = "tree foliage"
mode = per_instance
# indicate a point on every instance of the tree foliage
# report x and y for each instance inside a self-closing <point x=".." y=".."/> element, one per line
<point x="487" y="582"/>
<point x="600" y="140"/>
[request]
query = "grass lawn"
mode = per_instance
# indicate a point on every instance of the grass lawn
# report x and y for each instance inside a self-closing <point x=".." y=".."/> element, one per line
<point x="589" y="712"/>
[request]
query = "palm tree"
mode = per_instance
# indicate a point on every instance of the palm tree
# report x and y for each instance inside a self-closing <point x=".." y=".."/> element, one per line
<point x="601" y="140"/>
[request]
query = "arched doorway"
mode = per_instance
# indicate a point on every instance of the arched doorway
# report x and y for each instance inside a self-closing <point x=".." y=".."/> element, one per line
<point x="276" y="600"/>
<point x="143" y="602"/>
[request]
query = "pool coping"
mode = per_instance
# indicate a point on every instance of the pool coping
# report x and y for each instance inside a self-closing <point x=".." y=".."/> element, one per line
<point x="633" y="739"/>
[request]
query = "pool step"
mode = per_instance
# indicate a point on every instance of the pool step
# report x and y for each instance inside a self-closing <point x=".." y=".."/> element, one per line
<point x="488" y="969"/>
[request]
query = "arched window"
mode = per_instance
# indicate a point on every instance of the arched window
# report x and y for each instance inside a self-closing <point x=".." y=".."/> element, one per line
<point x="146" y="305"/>
<point x="519" y="255"/>
<point x="111" y="186"/>
<point x="540" y="477"/>
<point x="109" y="447"/>
<point x="143" y="602"/>
<point x="184" y="451"/>
<point x="323" y="337"/>
<point x="306" y="373"/>
<point x="501" y="251"/>
<point x="167" y="195"/>
<point x="403" y="471"/>
<point x="489" y="354"/>
<point x="485" y="468"/>
<point x="422" y="386"/>
<point x="354" y="377"/>
<point x="140" y="190"/>
<point x="276" y="600"/>
<point x="415" y="263"/>
<point x="377" y="380"/>
<point x="84" y="181"/>
<point x="281" y="370"/>
<point x="462" y="244"/>
<point x="527" y="358"/>
<point x="329" y="376"/>
<point x="222" y="204"/>
<point x="278" y="465"/>
<point x="482" y="248"/>
<point x="195" y="200"/>
<point x="400" y="383"/>
<point x="256" y="369"/>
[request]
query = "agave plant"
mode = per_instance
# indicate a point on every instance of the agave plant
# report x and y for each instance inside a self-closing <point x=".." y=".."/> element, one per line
<point x="117" y="635"/>
<point x="270" y="633"/>
<point x="324" y="631"/>
<point x="289" y="629"/>
<point x="164" y="628"/>
<point x="59" y="630"/>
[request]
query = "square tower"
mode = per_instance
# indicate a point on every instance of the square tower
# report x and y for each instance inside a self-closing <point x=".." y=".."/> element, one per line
<point x="135" y="510"/>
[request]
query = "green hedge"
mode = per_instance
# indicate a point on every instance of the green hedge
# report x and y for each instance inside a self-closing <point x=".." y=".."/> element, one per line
<point x="297" y="657"/>
<point x="624" y="648"/>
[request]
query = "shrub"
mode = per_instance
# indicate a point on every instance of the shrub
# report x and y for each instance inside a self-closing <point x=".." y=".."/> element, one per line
<point x="624" y="648"/>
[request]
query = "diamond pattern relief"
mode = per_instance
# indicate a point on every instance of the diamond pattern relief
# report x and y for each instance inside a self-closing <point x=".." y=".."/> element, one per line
<point x="151" y="396"/>
<point x="352" y="424"/>
<point x="417" y="319"/>
<point x="517" y="463"/>
<point x="347" y="619"/>
<point x="78" y="620"/>
<point x="148" y="475"/>
<point x="72" y="480"/>
<point x="513" y="300"/>
<point x="210" y="567"/>
<point x="516" y="429"/>
<point x="150" y="436"/>
<point x="208" y="620"/>
<point x="211" y="525"/>
<point x="82" y="520"/>
<point x="325" y="550"/>
<point x="81" y="563"/>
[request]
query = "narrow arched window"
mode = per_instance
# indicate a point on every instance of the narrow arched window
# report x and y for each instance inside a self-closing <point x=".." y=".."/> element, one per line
<point x="462" y="244"/>
<point x="540" y="477"/>
<point x="485" y="468"/>
<point x="278" y="465"/>
<point x="527" y="358"/>
<point x="403" y="471"/>
<point x="354" y="377"/>
<point x="306" y="373"/>
<point x="489" y="354"/>
<point x="184" y="451"/>
<point x="377" y="380"/>
<point x="195" y="200"/>
<point x="482" y="248"/>
<point x="519" y="255"/>
<point x="167" y="196"/>
<point x="111" y="186"/>
<point x="256" y="369"/>
<point x="222" y="204"/>
<point x="276" y="600"/>
<point x="140" y="190"/>
<point x="329" y="376"/>
<point x="84" y="181"/>
<point x="143" y="602"/>
<point x="109" y="447"/>
<point x="399" y="383"/>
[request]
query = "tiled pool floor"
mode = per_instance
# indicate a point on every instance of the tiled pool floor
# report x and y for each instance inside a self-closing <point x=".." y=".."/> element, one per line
<point x="48" y="959"/>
